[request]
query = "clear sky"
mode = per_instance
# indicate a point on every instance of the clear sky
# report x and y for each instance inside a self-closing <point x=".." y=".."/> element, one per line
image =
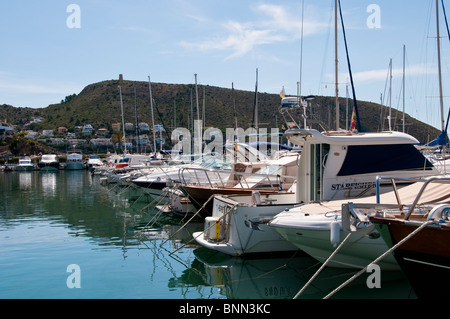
<point x="50" y="49"/>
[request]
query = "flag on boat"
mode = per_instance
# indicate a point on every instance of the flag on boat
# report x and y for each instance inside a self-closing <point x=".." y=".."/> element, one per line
<point x="282" y="95"/>
<point x="353" y="126"/>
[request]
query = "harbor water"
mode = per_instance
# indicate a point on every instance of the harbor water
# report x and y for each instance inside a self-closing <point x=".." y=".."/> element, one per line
<point x="65" y="236"/>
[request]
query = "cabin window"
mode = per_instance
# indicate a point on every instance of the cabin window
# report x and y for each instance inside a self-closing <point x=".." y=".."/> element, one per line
<point x="365" y="159"/>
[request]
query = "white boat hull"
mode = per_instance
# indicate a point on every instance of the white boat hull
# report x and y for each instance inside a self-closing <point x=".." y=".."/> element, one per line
<point x="313" y="235"/>
<point x="239" y="229"/>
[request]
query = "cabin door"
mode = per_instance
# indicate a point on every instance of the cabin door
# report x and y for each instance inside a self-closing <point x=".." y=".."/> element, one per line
<point x="319" y="154"/>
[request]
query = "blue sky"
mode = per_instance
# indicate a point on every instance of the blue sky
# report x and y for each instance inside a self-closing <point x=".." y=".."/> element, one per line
<point x="223" y="42"/>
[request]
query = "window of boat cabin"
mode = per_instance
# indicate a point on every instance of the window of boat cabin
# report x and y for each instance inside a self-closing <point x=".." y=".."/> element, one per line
<point x="363" y="159"/>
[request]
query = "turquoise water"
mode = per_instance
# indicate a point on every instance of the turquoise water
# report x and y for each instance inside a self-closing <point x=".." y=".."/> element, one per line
<point x="122" y="249"/>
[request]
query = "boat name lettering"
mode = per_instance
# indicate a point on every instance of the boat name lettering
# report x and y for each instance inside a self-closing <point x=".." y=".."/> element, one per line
<point x="342" y="186"/>
<point x="274" y="291"/>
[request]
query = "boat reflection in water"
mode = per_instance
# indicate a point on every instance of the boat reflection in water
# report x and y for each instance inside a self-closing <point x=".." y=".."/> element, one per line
<point x="49" y="184"/>
<point x="25" y="180"/>
<point x="283" y="277"/>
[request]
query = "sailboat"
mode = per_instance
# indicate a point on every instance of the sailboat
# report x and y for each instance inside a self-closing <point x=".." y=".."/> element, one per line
<point x="437" y="148"/>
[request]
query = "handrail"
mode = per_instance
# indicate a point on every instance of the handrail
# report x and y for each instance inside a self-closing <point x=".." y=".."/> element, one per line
<point x="243" y="180"/>
<point x="436" y="179"/>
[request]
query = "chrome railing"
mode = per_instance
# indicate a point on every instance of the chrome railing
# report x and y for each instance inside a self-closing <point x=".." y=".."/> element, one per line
<point x="222" y="179"/>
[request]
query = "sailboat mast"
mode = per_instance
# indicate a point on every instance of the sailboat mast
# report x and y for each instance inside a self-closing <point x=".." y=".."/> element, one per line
<point x="301" y="59"/>
<point x="123" y="122"/>
<point x="204" y="108"/>
<point x="390" y="95"/>
<point x="174" y="113"/>
<point x="256" y="103"/>
<point x="234" y="108"/>
<point x="301" y="70"/>
<point x="137" y="125"/>
<point x="198" y="138"/>
<point x="153" y="118"/>
<point x="403" y="88"/>
<point x="196" y="98"/>
<point x="439" y="66"/>
<point x="336" y="62"/>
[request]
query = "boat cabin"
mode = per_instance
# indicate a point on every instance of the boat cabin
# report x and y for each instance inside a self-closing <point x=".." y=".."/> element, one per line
<point x="338" y="165"/>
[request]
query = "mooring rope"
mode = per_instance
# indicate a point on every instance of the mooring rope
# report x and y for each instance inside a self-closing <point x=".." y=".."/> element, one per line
<point x="322" y="267"/>
<point x="381" y="257"/>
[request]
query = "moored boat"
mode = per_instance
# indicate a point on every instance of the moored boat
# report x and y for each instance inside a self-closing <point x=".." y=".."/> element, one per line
<point x="342" y="229"/>
<point x="420" y="241"/>
<point x="93" y="162"/>
<point x="267" y="176"/>
<point x="74" y="161"/>
<point x="25" y="165"/>
<point x="49" y="162"/>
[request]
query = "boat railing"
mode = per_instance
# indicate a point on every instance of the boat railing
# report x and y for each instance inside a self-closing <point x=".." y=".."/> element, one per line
<point x="214" y="178"/>
<point x="356" y="214"/>
<point x="426" y="182"/>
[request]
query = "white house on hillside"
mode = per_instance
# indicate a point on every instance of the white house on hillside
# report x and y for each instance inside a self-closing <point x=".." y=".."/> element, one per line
<point x="88" y="129"/>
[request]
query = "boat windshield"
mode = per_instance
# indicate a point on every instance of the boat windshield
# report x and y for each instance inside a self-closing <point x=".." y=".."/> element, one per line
<point x="270" y="170"/>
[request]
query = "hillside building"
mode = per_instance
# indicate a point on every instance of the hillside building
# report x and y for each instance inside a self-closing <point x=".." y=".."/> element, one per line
<point x="5" y="130"/>
<point x="102" y="132"/>
<point x="116" y="127"/>
<point x="47" y="133"/>
<point x="129" y="127"/>
<point x="88" y="129"/>
<point x="62" y="130"/>
<point x="144" y="127"/>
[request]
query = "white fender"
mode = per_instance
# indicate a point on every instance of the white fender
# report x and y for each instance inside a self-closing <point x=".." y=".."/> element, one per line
<point x="335" y="233"/>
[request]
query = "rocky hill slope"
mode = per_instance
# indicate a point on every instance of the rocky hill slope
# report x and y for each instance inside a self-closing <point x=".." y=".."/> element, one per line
<point x="99" y="104"/>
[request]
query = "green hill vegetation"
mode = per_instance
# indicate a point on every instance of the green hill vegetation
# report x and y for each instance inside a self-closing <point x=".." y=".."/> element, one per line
<point x="99" y="104"/>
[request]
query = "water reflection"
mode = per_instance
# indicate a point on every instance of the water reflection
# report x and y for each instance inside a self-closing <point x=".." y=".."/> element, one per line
<point x="74" y="182"/>
<point x="170" y="264"/>
<point x="48" y="180"/>
<point x="282" y="278"/>
<point x="25" y="180"/>
<point x="215" y="275"/>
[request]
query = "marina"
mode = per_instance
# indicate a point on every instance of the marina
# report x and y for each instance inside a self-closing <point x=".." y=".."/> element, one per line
<point x="313" y="210"/>
<point x="50" y="220"/>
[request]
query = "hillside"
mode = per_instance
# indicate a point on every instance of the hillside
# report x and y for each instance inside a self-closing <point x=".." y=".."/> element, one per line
<point x="98" y="104"/>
